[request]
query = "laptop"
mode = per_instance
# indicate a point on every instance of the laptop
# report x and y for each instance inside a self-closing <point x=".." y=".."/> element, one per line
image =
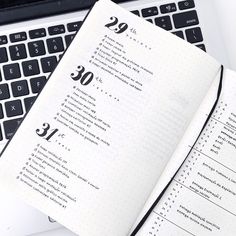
<point x="33" y="37"/>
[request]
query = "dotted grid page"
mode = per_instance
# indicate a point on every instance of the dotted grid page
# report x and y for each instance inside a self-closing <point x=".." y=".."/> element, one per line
<point x="182" y="150"/>
<point x="98" y="137"/>
<point x="201" y="199"/>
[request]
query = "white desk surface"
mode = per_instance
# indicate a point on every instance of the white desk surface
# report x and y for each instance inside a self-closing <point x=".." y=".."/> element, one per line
<point x="228" y="13"/>
<point x="58" y="232"/>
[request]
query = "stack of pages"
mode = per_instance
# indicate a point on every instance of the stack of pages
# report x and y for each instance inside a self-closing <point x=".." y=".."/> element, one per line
<point x="134" y="134"/>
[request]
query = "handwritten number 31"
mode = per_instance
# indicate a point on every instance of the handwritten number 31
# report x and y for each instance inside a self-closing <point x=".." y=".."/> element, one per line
<point x="115" y="26"/>
<point x="45" y="131"/>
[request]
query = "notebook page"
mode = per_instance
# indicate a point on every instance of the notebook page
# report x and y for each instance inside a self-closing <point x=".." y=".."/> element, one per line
<point x="201" y="199"/>
<point x="182" y="149"/>
<point x="98" y="137"/>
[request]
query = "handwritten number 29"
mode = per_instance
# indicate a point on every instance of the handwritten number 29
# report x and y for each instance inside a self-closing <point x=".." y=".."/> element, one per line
<point x="115" y="26"/>
<point x="85" y="78"/>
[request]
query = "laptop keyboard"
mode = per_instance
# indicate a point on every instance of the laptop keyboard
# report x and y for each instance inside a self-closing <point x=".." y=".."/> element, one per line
<point x="28" y="57"/>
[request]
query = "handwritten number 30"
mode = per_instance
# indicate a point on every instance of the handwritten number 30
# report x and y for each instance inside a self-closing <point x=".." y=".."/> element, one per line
<point x="85" y="78"/>
<point x="114" y="26"/>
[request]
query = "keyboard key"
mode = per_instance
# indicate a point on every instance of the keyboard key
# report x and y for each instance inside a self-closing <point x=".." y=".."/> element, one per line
<point x="57" y="29"/>
<point x="167" y="8"/>
<point x="30" y="67"/>
<point x="3" y="55"/>
<point x="136" y="12"/>
<point x="1" y="136"/>
<point x="186" y="4"/>
<point x="20" y="88"/>
<point x="14" y="108"/>
<point x="17" y="52"/>
<point x="36" y="48"/>
<point x="180" y="34"/>
<point x="150" y="20"/>
<point x="17" y="37"/>
<point x="151" y="11"/>
<point x="185" y="19"/>
<point x="164" y="22"/>
<point x="69" y="39"/>
<point x="3" y="39"/>
<point x="37" y="33"/>
<point x="12" y="71"/>
<point x="74" y="26"/>
<point x="48" y="64"/>
<point x="202" y="46"/>
<point x="194" y="35"/>
<point x="10" y="127"/>
<point x="37" y="84"/>
<point x="0" y="76"/>
<point x="29" y="102"/>
<point x="55" y="45"/>
<point x="4" y="91"/>
<point x="1" y="112"/>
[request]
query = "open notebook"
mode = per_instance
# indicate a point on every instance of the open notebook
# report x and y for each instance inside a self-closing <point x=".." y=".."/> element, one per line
<point x="135" y="131"/>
